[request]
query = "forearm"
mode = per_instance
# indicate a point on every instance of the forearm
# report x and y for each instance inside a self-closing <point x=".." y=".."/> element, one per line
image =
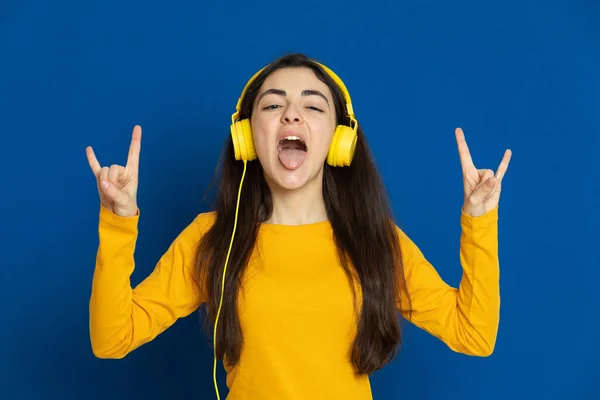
<point x="111" y="297"/>
<point x="478" y="298"/>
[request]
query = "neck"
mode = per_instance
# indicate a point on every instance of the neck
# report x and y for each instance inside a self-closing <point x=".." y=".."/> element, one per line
<point x="300" y="206"/>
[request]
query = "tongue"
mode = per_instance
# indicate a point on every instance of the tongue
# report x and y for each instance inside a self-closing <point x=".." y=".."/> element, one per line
<point x="292" y="158"/>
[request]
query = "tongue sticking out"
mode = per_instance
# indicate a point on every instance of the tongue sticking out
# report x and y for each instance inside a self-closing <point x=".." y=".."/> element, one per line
<point x="292" y="153"/>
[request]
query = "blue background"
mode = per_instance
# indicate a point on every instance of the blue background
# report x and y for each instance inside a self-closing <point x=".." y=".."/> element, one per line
<point x="518" y="74"/>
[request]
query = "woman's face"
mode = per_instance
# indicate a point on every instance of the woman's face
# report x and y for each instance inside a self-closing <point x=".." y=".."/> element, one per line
<point x="293" y="122"/>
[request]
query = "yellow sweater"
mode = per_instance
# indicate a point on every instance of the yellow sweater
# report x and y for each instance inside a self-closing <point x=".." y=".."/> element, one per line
<point x="296" y="309"/>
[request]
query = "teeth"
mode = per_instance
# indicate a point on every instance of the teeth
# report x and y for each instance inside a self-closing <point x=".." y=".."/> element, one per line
<point x="291" y="137"/>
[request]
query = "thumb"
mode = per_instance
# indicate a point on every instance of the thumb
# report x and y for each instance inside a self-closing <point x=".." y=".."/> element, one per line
<point x="113" y="193"/>
<point x="483" y="191"/>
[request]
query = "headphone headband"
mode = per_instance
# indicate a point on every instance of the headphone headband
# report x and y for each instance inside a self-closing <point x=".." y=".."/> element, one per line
<point x="328" y="71"/>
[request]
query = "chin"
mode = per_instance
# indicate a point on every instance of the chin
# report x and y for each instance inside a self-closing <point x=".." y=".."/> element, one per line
<point x="286" y="179"/>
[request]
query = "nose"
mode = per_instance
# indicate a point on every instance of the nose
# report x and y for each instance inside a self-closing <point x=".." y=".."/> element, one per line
<point x="291" y="115"/>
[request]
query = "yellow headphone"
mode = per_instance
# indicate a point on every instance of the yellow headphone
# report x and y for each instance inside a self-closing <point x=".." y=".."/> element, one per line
<point x="341" y="153"/>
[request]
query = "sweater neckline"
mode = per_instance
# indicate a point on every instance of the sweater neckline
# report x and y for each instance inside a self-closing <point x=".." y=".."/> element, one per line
<point x="313" y="227"/>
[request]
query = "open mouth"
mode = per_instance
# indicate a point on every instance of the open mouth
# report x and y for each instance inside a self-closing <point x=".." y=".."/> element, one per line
<point x="292" y="152"/>
<point x="292" y="143"/>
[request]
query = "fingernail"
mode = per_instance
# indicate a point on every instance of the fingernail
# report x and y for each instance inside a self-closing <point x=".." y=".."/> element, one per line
<point x="104" y="184"/>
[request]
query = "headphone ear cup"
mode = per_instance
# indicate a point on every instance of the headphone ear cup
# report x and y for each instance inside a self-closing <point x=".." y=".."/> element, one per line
<point x="243" y="144"/>
<point x="343" y="145"/>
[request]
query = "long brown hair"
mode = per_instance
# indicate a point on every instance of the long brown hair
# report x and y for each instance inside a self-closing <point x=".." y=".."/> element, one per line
<point x="362" y="221"/>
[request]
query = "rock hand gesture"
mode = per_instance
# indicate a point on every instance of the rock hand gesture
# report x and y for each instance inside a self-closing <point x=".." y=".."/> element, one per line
<point x="481" y="187"/>
<point x="118" y="185"/>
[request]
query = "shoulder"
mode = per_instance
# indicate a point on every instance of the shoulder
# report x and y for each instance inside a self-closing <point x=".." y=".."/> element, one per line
<point x="192" y="234"/>
<point x="204" y="221"/>
<point x="401" y="234"/>
<point x="405" y="240"/>
<point x="408" y="248"/>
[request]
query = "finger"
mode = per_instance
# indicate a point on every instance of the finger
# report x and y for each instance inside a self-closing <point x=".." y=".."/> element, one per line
<point x="114" y="173"/>
<point x="114" y="193"/>
<point x="103" y="175"/>
<point x="503" y="165"/>
<point x="463" y="150"/>
<point x="133" y="158"/>
<point x="484" y="175"/>
<point x="94" y="164"/>
<point x="483" y="191"/>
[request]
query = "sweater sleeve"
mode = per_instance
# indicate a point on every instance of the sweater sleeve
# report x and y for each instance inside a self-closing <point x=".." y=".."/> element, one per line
<point x="465" y="318"/>
<point x="123" y="318"/>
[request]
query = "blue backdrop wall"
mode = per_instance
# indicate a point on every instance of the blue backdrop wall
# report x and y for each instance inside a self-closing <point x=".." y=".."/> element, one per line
<point x="518" y="74"/>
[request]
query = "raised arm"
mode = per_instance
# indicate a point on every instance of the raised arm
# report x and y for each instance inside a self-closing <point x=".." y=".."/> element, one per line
<point x="465" y="318"/>
<point x="122" y="318"/>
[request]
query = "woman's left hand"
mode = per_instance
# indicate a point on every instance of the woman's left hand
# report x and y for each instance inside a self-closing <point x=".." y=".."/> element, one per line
<point x="481" y="187"/>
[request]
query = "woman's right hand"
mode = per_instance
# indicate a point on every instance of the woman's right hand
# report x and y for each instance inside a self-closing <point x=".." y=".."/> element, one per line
<point x="118" y="185"/>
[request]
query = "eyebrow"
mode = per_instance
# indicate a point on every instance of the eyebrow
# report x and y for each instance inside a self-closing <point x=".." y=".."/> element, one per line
<point x="280" y="92"/>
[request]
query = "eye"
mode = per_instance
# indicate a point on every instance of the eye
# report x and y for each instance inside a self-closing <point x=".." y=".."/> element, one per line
<point x="271" y="107"/>
<point x="315" y="108"/>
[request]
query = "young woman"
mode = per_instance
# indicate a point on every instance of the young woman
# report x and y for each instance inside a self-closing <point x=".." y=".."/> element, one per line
<point x="301" y="267"/>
